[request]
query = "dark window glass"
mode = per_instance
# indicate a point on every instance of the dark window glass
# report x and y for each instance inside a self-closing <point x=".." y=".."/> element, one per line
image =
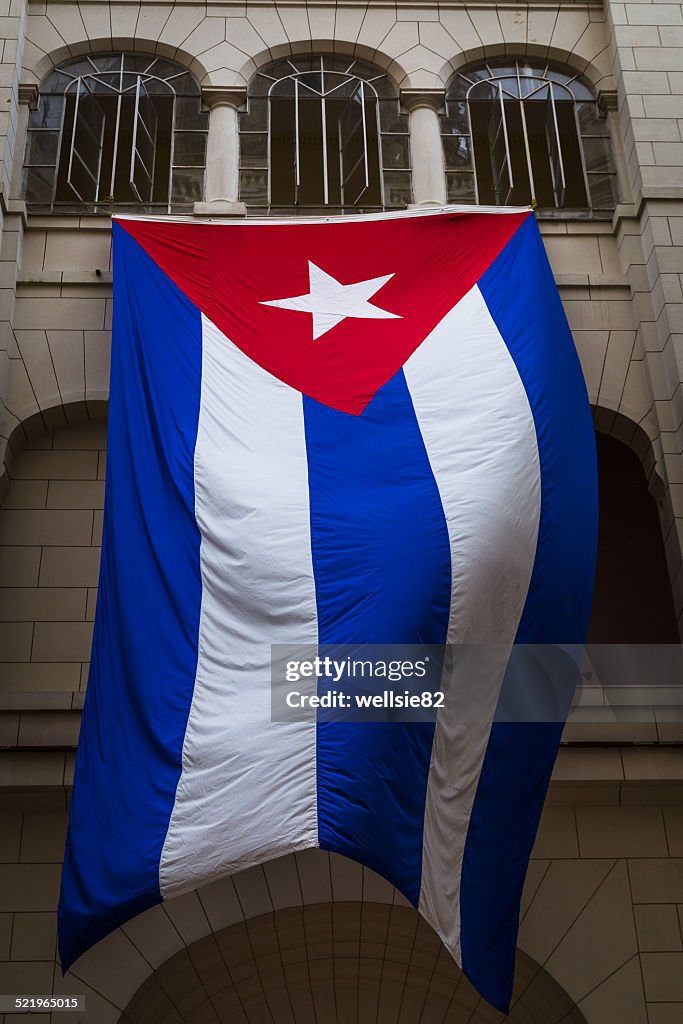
<point x="329" y="133"/>
<point x="536" y="135"/>
<point x="116" y="130"/>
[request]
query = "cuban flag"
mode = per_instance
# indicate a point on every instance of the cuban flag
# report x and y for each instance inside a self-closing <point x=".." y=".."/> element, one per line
<point x="363" y="430"/>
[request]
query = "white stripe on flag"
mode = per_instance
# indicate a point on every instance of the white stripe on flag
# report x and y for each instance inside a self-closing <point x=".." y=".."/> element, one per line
<point x="479" y="433"/>
<point x="247" y="791"/>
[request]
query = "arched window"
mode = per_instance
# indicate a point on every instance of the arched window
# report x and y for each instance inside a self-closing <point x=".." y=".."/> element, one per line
<point x="323" y="133"/>
<point x="122" y="129"/>
<point x="518" y="133"/>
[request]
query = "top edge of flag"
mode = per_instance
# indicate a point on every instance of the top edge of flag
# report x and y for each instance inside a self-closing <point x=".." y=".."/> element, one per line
<point x="339" y="219"/>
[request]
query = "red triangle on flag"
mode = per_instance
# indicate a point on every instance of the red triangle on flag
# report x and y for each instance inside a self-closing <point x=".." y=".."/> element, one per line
<point x="234" y="272"/>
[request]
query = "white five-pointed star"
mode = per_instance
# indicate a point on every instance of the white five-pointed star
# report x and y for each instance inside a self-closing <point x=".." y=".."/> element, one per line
<point x="329" y="302"/>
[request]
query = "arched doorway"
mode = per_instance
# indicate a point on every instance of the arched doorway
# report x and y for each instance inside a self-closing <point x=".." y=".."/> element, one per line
<point x="632" y="599"/>
<point x="342" y="963"/>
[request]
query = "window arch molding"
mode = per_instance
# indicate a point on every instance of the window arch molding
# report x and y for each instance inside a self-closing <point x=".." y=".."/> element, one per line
<point x="524" y="131"/>
<point x="83" y="45"/>
<point x="113" y="130"/>
<point x="597" y="78"/>
<point x="323" y="133"/>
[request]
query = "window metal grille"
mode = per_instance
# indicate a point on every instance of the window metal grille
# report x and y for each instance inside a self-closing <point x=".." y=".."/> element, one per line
<point x="115" y="131"/>
<point x="518" y="133"/>
<point x="323" y="134"/>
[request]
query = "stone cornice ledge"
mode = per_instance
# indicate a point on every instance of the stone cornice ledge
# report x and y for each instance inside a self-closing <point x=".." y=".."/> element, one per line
<point x="38" y="277"/>
<point x="590" y="775"/>
<point x="38" y="7"/>
<point x="427" y="4"/>
<point x="591" y="281"/>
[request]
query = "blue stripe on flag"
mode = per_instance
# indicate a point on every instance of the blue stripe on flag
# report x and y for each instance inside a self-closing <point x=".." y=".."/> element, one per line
<point x="381" y="560"/>
<point x="522" y="298"/>
<point x="145" y="646"/>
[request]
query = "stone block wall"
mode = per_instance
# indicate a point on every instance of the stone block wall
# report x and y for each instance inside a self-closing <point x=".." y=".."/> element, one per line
<point x="646" y="48"/>
<point x="50" y="532"/>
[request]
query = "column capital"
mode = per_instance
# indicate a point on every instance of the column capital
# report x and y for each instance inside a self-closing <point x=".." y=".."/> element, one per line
<point x="608" y="99"/>
<point x="28" y="95"/>
<point x="414" y="99"/>
<point x="221" y="96"/>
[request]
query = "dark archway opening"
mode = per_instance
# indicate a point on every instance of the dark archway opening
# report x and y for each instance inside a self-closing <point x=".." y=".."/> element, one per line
<point x="345" y="962"/>
<point x="632" y="599"/>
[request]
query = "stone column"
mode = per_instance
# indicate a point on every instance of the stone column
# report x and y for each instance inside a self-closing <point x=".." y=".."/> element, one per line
<point x="429" y="177"/>
<point x="13" y="221"/>
<point x="222" y="154"/>
<point x="609" y="106"/>
<point x="28" y="97"/>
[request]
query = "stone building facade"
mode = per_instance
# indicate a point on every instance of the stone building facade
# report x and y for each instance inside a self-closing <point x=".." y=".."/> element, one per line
<point x="315" y="937"/>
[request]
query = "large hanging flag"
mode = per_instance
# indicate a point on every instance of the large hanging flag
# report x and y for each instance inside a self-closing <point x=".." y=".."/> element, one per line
<point x="365" y="430"/>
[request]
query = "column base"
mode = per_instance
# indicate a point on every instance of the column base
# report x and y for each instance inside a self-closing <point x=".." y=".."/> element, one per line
<point x="220" y="208"/>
